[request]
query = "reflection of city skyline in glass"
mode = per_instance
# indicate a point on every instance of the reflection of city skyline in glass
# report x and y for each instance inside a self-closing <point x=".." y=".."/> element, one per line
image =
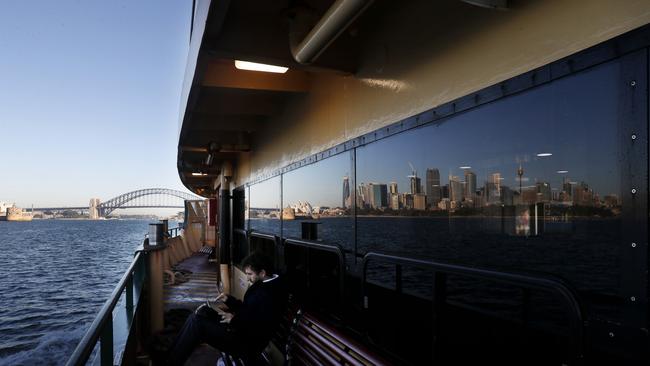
<point x="544" y="146"/>
<point x="460" y="193"/>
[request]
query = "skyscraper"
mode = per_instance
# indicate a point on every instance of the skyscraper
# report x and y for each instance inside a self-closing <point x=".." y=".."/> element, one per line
<point x="496" y="179"/>
<point x="433" y="189"/>
<point x="379" y="195"/>
<point x="419" y="201"/>
<point x="455" y="189"/>
<point x="346" y="192"/>
<point x="543" y="192"/>
<point x="415" y="184"/>
<point x="470" y="185"/>
<point x="567" y="188"/>
<point x="393" y="188"/>
<point x="361" y="196"/>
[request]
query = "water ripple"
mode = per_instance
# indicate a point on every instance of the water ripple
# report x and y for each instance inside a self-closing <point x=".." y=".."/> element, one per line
<point x="56" y="275"/>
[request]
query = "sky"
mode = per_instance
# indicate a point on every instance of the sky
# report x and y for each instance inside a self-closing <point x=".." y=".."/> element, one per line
<point x="89" y="98"/>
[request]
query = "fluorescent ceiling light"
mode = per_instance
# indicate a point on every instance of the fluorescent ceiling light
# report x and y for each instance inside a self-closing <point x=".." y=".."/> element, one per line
<point x="198" y="174"/>
<point x="541" y="155"/>
<point x="562" y="171"/>
<point x="465" y="167"/>
<point x="252" y="66"/>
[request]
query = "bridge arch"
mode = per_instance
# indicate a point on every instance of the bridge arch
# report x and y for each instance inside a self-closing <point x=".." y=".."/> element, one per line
<point x="105" y="208"/>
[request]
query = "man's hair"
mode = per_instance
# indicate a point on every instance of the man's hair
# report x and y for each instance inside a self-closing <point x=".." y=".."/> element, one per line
<point x="258" y="262"/>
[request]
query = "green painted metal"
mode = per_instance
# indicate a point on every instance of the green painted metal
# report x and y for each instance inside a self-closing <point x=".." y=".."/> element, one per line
<point x="113" y="339"/>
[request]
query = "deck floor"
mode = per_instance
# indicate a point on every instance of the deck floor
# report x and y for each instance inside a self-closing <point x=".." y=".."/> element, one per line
<point x="201" y="283"/>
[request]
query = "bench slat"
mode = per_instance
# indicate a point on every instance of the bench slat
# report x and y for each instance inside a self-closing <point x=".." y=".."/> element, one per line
<point x="352" y="348"/>
<point x="306" y="345"/>
<point x="311" y="331"/>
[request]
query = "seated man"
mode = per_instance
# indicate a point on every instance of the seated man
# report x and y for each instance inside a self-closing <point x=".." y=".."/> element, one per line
<point x="244" y="328"/>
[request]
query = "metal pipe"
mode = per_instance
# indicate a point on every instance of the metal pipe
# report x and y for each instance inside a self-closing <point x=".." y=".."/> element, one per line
<point x="337" y="18"/>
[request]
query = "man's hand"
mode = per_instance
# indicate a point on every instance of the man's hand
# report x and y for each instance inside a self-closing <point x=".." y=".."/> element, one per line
<point x="222" y="297"/>
<point x="226" y="317"/>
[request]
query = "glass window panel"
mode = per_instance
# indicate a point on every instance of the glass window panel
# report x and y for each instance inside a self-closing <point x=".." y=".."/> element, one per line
<point x="529" y="182"/>
<point x="320" y="193"/>
<point x="264" y="209"/>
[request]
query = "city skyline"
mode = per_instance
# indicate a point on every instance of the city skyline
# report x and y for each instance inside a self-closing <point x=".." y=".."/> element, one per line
<point x="457" y="194"/>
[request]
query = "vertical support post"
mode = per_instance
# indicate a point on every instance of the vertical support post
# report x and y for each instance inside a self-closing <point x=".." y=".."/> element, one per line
<point x="211" y="227"/>
<point x="223" y="223"/>
<point x="129" y="297"/>
<point x="633" y="113"/>
<point x="156" y="255"/>
<point x="106" y="347"/>
<point x="165" y="229"/>
<point x="353" y="198"/>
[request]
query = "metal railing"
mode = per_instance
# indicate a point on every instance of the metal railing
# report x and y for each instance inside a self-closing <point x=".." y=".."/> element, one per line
<point x="332" y="248"/>
<point x="173" y="232"/>
<point x="102" y="329"/>
<point x="525" y="281"/>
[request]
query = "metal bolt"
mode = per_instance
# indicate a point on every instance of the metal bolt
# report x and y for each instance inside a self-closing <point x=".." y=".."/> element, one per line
<point x="633" y="245"/>
<point x="633" y="298"/>
<point x="633" y="136"/>
<point x="633" y="83"/>
<point x="633" y="190"/>
<point x="611" y="334"/>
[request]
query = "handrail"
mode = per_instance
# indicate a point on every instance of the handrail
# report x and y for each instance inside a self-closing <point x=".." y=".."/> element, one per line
<point x="174" y="231"/>
<point x="546" y="283"/>
<point x="241" y="232"/>
<point x="333" y="248"/>
<point x="103" y="320"/>
<point x="257" y="234"/>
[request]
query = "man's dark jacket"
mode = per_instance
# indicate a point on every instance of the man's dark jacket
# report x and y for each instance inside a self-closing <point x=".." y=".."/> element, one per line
<point x="258" y="316"/>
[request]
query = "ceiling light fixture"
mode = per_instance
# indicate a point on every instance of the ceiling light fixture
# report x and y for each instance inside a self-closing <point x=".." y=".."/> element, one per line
<point x="543" y="155"/>
<point x="253" y="66"/>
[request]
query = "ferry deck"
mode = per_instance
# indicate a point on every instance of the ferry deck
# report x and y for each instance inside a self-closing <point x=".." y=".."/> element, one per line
<point x="440" y="182"/>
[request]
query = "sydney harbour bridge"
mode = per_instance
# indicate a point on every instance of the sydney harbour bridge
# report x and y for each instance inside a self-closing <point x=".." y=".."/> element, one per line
<point x="142" y="198"/>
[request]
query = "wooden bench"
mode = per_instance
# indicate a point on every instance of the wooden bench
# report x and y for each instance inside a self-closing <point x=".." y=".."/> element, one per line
<point x="314" y="342"/>
<point x="306" y="339"/>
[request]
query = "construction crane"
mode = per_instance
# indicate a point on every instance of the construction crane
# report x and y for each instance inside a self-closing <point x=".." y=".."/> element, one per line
<point x="414" y="173"/>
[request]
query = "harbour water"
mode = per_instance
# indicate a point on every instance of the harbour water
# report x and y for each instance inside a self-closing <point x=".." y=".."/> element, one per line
<point x="56" y="275"/>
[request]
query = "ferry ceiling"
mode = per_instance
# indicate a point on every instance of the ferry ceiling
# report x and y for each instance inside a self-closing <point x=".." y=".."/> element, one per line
<point x="228" y="106"/>
<point x="230" y="116"/>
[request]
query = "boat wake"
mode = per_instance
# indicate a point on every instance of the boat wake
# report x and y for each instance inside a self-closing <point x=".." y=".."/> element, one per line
<point x="53" y="348"/>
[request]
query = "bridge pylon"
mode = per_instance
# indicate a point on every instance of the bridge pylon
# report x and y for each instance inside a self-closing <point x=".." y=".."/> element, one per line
<point x="94" y="211"/>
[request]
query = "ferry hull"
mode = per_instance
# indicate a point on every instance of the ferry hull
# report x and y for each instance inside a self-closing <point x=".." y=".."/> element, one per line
<point x="17" y="214"/>
<point x="19" y="217"/>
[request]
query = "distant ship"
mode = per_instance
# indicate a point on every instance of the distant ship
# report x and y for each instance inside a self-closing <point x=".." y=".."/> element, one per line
<point x="3" y="210"/>
<point x="13" y="213"/>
